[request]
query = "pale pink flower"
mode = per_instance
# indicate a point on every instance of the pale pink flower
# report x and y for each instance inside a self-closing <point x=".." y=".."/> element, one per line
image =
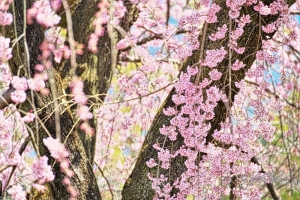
<point x="14" y="158"/>
<point x="5" y="51"/>
<point x="55" y="4"/>
<point x="37" y="83"/>
<point x="66" y="181"/>
<point x="269" y="28"/>
<point x="237" y="65"/>
<point x="29" y="117"/>
<point x="42" y="11"/>
<point x="176" y="12"/>
<point x="87" y="128"/>
<point x="120" y="9"/>
<point x="41" y="171"/>
<point x="17" y="192"/>
<point x="215" y="74"/>
<point x="5" y="18"/>
<point x="19" y="83"/>
<point x="151" y="163"/>
<point x="220" y="34"/>
<point x="18" y="96"/>
<point x="211" y="15"/>
<point x="56" y="148"/>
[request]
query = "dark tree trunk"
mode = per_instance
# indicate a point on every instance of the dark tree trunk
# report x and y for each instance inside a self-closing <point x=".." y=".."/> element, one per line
<point x="94" y="69"/>
<point x="138" y="185"/>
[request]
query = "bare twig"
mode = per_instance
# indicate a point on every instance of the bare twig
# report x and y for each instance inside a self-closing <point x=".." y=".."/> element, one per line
<point x="275" y="95"/>
<point x="70" y="37"/>
<point x="21" y="150"/>
<point x="270" y="186"/>
<point x="113" y="35"/>
<point x="107" y="182"/>
<point x="56" y="105"/>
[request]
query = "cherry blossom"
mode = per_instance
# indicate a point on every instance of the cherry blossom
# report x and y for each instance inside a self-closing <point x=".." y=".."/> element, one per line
<point x="17" y="192"/>
<point x="42" y="172"/>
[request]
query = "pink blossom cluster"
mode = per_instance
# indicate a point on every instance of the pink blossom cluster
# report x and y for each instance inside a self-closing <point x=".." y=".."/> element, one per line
<point x="12" y="135"/>
<point x="5" y="51"/>
<point x="4" y="4"/>
<point x="20" y="85"/>
<point x="235" y="7"/>
<point x="149" y="63"/>
<point x="29" y="117"/>
<point x="14" y="158"/>
<point x="59" y="152"/>
<point x="190" y="21"/>
<point x="17" y="192"/>
<point x="237" y="65"/>
<point x="151" y="22"/>
<point x="101" y="19"/>
<point x="76" y="87"/>
<point x="37" y="83"/>
<point x="215" y="74"/>
<point x="211" y="14"/>
<point x="80" y="98"/>
<point x="278" y="6"/>
<point x="119" y="11"/>
<point x="265" y="56"/>
<point x="220" y="34"/>
<point x="5" y="17"/>
<point x="5" y="77"/>
<point x="55" y="4"/>
<point x="214" y="57"/>
<point x="190" y="123"/>
<point x="42" y="11"/>
<point x="55" y="40"/>
<point x="269" y="28"/>
<point x="42" y="173"/>
<point x="124" y="118"/>
<point x="162" y="188"/>
<point x="237" y="33"/>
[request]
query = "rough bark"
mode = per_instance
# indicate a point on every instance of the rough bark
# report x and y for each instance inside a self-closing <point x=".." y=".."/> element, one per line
<point x="138" y="186"/>
<point x="94" y="69"/>
<point x="84" y="180"/>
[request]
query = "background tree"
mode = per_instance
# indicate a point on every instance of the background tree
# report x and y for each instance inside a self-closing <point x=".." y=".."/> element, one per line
<point x="77" y="84"/>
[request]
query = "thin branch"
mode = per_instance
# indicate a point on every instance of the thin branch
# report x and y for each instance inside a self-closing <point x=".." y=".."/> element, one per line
<point x="56" y="104"/>
<point x="150" y="38"/>
<point x="201" y="51"/>
<point x="21" y="150"/>
<point x="270" y="186"/>
<point x="70" y="37"/>
<point x="107" y="182"/>
<point x="168" y="12"/>
<point x="113" y="36"/>
<point x="275" y="95"/>
<point x="136" y="98"/>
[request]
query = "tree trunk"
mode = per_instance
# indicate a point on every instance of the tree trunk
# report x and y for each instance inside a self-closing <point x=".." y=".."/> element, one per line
<point x="94" y="69"/>
<point x="138" y="185"/>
